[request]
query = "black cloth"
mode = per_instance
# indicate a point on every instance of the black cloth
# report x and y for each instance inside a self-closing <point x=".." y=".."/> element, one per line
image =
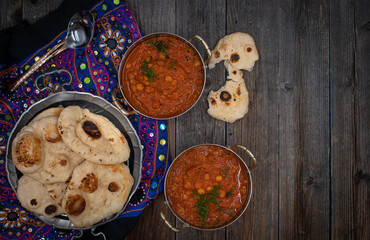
<point x="19" y="42"/>
<point x="116" y="230"/>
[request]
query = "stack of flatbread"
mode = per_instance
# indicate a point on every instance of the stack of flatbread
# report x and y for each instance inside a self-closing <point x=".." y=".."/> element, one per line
<point x="72" y="162"/>
<point x="238" y="51"/>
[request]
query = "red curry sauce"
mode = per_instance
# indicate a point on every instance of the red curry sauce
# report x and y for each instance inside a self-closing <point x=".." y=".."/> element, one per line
<point x="163" y="77"/>
<point x="207" y="186"/>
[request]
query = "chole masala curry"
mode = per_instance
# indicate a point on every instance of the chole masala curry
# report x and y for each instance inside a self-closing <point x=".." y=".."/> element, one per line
<point x="163" y="76"/>
<point x="207" y="186"/>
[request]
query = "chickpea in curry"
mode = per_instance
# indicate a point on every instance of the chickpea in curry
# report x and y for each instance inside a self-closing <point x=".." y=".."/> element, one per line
<point x="207" y="186"/>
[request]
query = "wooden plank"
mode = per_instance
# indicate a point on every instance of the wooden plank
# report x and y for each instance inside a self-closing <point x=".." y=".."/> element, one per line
<point x="361" y="168"/>
<point x="153" y="16"/>
<point x="207" y="19"/>
<point x="312" y="179"/>
<point x="10" y="13"/>
<point x="36" y="9"/>
<point x="306" y="112"/>
<point x="289" y="73"/>
<point x="304" y="127"/>
<point x="342" y="112"/>
<point x="258" y="129"/>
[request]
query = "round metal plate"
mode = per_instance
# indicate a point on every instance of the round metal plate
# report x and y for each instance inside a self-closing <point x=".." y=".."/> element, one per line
<point x="96" y="105"/>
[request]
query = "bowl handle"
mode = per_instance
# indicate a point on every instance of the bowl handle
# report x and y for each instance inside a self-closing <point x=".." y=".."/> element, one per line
<point x="254" y="160"/>
<point x="49" y="71"/>
<point x="118" y="104"/>
<point x="205" y="45"/>
<point x="179" y="229"/>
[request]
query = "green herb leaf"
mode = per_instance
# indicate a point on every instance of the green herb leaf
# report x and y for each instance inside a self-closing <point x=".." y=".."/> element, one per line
<point x="225" y="211"/>
<point x="173" y="64"/>
<point x="231" y="212"/>
<point x="220" y="209"/>
<point x="147" y="71"/>
<point x="229" y="193"/>
<point x="203" y="201"/>
<point x="225" y="171"/>
<point x="197" y="196"/>
<point x="161" y="47"/>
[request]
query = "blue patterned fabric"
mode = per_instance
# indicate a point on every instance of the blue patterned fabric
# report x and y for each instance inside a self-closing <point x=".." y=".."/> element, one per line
<point x="92" y="69"/>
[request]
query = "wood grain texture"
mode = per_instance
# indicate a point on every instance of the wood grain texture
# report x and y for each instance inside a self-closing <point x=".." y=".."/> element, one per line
<point x="288" y="97"/>
<point x="312" y="173"/>
<point x="33" y="10"/>
<point x="304" y="205"/>
<point x="308" y="121"/>
<point x="342" y="115"/>
<point x="10" y="13"/>
<point x="361" y="169"/>
<point x="258" y="18"/>
<point x="207" y="19"/>
<point x="153" y="16"/>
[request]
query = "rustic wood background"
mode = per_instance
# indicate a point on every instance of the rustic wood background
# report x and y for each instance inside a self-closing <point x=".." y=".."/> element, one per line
<point x="309" y="118"/>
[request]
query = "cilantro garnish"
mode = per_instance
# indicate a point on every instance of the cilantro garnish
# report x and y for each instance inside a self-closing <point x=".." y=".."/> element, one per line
<point x="225" y="211"/>
<point x="161" y="47"/>
<point x="203" y="201"/>
<point x="229" y="193"/>
<point x="173" y="64"/>
<point x="147" y="71"/>
<point x="225" y="171"/>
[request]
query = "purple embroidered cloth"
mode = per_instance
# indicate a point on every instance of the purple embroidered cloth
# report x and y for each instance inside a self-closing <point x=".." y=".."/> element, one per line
<point x="92" y="69"/>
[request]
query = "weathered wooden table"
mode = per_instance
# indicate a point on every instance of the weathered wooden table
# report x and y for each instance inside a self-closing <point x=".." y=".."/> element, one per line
<point x="309" y="118"/>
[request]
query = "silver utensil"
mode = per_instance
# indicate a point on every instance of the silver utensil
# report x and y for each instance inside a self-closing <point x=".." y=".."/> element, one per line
<point x="79" y="33"/>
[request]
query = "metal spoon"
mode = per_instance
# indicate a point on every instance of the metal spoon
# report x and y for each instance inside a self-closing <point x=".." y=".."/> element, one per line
<point x="79" y="34"/>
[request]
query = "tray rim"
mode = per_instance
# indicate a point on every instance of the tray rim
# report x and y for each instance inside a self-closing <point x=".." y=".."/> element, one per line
<point x="65" y="96"/>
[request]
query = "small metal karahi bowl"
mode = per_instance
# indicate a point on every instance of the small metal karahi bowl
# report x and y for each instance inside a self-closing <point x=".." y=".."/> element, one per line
<point x="137" y="45"/>
<point x="170" y="203"/>
<point x="96" y="105"/>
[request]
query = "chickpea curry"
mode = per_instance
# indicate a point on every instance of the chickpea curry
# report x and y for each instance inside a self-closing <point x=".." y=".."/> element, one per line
<point x="163" y="77"/>
<point x="207" y="186"/>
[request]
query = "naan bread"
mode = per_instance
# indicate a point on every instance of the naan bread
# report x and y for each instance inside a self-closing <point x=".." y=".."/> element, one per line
<point x="92" y="136"/>
<point x="96" y="192"/>
<point x="27" y="153"/>
<point x="231" y="101"/>
<point x="237" y="48"/>
<point x="56" y="191"/>
<point x="234" y="74"/>
<point x="38" y="150"/>
<point x="55" y="111"/>
<point x="34" y="197"/>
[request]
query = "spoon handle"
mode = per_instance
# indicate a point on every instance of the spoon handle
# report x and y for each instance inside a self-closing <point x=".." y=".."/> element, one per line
<point x="13" y="85"/>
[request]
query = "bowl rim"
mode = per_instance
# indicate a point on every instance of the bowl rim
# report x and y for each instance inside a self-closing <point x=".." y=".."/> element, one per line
<point x="137" y="43"/>
<point x="240" y="213"/>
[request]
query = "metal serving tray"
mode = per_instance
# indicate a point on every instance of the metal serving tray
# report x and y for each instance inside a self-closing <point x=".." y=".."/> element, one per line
<point x="96" y="105"/>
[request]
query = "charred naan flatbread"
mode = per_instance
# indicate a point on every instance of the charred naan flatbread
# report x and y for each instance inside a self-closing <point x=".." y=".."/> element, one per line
<point x="92" y="136"/>
<point x="38" y="150"/>
<point x="95" y="192"/>
<point x="231" y="101"/>
<point x="27" y="153"/>
<point x="34" y="197"/>
<point x="237" y="48"/>
<point x="56" y="176"/>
